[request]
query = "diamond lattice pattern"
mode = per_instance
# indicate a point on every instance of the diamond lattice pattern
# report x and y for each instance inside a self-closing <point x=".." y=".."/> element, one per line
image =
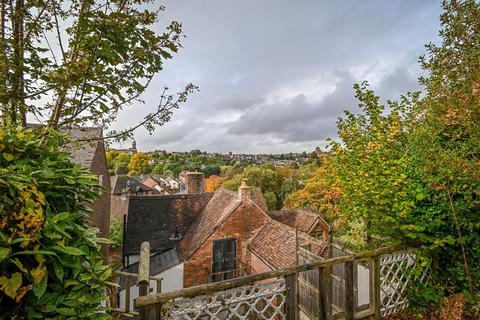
<point x="264" y="300"/>
<point x="396" y="272"/>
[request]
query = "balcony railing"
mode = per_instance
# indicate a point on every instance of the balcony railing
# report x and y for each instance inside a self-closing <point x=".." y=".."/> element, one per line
<point x="242" y="270"/>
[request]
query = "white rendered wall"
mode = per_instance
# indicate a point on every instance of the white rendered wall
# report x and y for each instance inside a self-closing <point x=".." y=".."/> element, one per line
<point x="172" y="280"/>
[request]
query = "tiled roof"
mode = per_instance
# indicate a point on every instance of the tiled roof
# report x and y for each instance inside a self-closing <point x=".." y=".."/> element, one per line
<point x="257" y="197"/>
<point x="218" y="208"/>
<point x="159" y="262"/>
<point x="274" y="244"/>
<point x="82" y="152"/>
<point x="302" y="219"/>
<point x="154" y="219"/>
<point x="125" y="184"/>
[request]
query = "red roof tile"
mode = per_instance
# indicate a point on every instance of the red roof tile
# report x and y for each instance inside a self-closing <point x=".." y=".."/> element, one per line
<point x="275" y="245"/>
<point x="303" y="219"/>
<point x="218" y="208"/>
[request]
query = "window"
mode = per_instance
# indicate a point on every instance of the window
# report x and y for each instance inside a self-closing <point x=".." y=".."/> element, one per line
<point x="224" y="259"/>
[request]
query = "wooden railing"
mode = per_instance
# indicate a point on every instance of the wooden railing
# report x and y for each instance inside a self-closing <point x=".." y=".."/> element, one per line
<point x="241" y="271"/>
<point x="150" y="306"/>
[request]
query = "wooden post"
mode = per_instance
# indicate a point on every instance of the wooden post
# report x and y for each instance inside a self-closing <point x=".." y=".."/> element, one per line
<point x="291" y="298"/>
<point x="143" y="279"/>
<point x="375" y="288"/>
<point x="349" y="290"/>
<point x="159" y="285"/>
<point x="324" y="306"/>
<point x="127" y="294"/>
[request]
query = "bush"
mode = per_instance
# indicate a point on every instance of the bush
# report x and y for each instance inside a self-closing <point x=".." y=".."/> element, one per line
<point x="50" y="260"/>
<point x="116" y="232"/>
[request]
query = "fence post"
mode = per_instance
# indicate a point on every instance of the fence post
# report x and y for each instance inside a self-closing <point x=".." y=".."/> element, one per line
<point x="291" y="296"/>
<point x="324" y="293"/>
<point x="376" y="289"/>
<point x="349" y="290"/>
<point x="143" y="282"/>
<point x="127" y="294"/>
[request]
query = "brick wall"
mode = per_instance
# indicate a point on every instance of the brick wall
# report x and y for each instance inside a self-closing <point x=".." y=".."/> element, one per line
<point x="242" y="224"/>
<point x="118" y="206"/>
<point x="101" y="206"/>
<point x="194" y="182"/>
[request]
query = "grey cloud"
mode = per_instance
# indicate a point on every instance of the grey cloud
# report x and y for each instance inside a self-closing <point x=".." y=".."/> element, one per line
<point x="241" y="52"/>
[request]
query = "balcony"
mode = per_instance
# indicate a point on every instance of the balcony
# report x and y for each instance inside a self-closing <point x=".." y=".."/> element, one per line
<point x="242" y="270"/>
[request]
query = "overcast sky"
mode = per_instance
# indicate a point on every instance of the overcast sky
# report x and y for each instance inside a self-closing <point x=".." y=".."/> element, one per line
<point x="274" y="76"/>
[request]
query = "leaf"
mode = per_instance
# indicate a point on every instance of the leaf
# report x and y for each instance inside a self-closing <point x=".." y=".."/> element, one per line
<point x="70" y="250"/>
<point x="33" y="252"/>
<point x="8" y="156"/>
<point x="20" y="266"/>
<point x="59" y="272"/>
<point x="11" y="286"/>
<point x="38" y="273"/>
<point x="4" y="252"/>
<point x="70" y="282"/>
<point x="39" y="289"/>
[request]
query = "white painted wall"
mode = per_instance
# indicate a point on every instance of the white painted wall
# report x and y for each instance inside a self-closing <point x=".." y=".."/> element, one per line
<point x="172" y="280"/>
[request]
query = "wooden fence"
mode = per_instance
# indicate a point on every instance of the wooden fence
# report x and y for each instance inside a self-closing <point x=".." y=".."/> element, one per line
<point x="272" y="295"/>
<point x="349" y="286"/>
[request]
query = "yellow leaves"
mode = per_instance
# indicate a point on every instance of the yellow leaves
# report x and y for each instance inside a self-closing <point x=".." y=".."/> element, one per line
<point x="212" y="183"/>
<point x="8" y="156"/>
<point x="11" y="285"/>
<point x="38" y="273"/>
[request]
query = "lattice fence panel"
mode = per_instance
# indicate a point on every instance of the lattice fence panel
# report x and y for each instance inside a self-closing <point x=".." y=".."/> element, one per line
<point x="395" y="276"/>
<point x="264" y="300"/>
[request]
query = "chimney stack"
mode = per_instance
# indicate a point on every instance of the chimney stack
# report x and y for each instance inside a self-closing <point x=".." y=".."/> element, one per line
<point x="194" y="182"/>
<point x="244" y="190"/>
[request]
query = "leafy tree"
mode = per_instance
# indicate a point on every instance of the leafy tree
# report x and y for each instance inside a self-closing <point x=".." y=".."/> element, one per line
<point x="102" y="59"/>
<point x="120" y="163"/>
<point x="212" y="183"/>
<point x="408" y="171"/>
<point x="50" y="260"/>
<point x="211" y="170"/>
<point x="138" y="162"/>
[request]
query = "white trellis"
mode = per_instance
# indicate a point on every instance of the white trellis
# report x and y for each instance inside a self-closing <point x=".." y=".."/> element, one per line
<point x="265" y="300"/>
<point x="395" y="276"/>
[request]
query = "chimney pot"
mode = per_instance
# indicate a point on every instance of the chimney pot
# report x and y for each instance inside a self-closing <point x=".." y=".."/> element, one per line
<point x="194" y="182"/>
<point x="244" y="191"/>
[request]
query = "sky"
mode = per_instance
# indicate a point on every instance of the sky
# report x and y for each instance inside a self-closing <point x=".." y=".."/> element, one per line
<point x="275" y="75"/>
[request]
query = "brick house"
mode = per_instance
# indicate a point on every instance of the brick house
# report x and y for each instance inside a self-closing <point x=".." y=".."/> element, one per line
<point x="221" y="235"/>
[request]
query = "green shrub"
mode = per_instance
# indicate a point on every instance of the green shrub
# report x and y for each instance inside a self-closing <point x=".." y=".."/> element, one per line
<point x="116" y="232"/>
<point x="51" y="266"/>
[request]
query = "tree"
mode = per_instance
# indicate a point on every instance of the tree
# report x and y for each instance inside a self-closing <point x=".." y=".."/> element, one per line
<point x="211" y="170"/>
<point x="102" y="60"/>
<point x="212" y="183"/>
<point x="138" y="163"/>
<point x="408" y="172"/>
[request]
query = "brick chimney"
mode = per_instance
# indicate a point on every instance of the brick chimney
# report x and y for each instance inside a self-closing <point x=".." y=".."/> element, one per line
<point x="194" y="182"/>
<point x="244" y="190"/>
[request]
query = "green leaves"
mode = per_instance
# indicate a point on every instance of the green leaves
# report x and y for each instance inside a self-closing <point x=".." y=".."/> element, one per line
<point x="49" y="256"/>
<point x="4" y="252"/>
<point x="40" y="288"/>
